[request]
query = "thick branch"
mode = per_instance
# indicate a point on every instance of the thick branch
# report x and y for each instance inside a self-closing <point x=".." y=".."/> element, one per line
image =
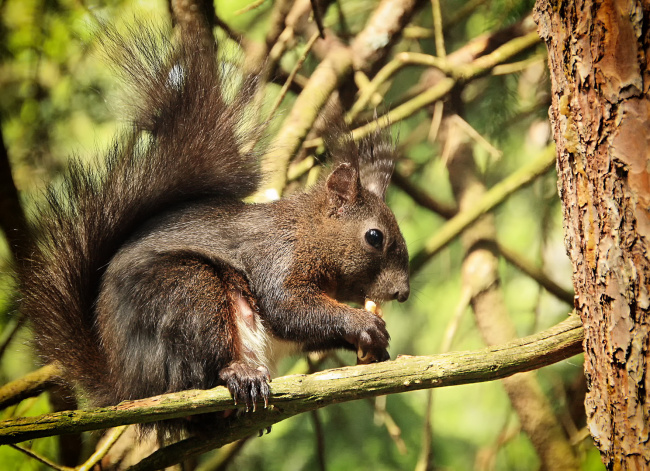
<point x="295" y="394"/>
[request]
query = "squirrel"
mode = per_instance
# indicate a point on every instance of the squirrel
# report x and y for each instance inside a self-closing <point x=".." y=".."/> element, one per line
<point x="149" y="274"/>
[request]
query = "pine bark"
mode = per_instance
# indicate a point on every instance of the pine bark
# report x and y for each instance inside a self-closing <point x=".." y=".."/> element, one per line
<point x="598" y="60"/>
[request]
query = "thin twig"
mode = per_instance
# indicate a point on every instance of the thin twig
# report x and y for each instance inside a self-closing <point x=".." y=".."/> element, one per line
<point x="424" y="460"/>
<point x="10" y="331"/>
<point x="382" y="417"/>
<point x="514" y="67"/>
<point x="455" y="72"/>
<point x="437" y="29"/>
<point x="477" y="137"/>
<point x="319" y="437"/>
<point x="102" y="450"/>
<point x="417" y="32"/>
<point x="225" y="456"/>
<point x="426" y="452"/>
<point x="454" y="322"/>
<point x="400" y="61"/>
<point x="494" y="197"/>
<point x="436" y="120"/>
<point x="422" y="198"/>
<point x="40" y="458"/>
<point x="292" y="75"/>
<point x="12" y="216"/>
<point x="249" y="7"/>
<point x="536" y="274"/>
<point x="318" y="18"/>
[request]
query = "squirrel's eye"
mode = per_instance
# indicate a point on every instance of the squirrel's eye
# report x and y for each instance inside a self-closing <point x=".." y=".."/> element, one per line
<point x="375" y="238"/>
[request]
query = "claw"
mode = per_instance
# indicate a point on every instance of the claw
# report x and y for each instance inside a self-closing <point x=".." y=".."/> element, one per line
<point x="247" y="384"/>
<point x="364" y="358"/>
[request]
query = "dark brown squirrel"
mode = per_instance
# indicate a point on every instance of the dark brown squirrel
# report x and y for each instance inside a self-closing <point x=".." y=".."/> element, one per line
<point x="150" y="275"/>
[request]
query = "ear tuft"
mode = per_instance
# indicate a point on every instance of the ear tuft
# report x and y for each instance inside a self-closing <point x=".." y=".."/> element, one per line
<point x="343" y="185"/>
<point x="376" y="161"/>
<point x="372" y="158"/>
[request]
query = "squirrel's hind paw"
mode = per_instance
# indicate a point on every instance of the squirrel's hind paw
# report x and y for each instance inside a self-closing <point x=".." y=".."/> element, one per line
<point x="247" y="384"/>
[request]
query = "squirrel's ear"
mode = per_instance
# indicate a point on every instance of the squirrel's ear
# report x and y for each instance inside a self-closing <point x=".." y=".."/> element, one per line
<point x="343" y="185"/>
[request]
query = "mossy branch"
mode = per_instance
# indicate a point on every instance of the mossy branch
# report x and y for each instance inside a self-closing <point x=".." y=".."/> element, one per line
<point x="295" y="394"/>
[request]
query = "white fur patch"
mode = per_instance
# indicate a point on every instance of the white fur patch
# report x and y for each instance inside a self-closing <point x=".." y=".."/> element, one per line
<point x="259" y="347"/>
<point x="252" y="334"/>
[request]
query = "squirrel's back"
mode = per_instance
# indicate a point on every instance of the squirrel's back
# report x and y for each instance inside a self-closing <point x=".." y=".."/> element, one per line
<point x="184" y="142"/>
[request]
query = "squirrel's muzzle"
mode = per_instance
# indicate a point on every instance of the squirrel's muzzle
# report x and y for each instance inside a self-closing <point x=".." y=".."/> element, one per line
<point x="402" y="294"/>
<point x="399" y="288"/>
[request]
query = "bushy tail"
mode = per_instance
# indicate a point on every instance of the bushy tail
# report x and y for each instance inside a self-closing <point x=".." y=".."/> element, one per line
<point x="185" y="142"/>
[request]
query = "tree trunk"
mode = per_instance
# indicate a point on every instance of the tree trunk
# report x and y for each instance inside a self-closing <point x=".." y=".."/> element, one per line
<point x="598" y="58"/>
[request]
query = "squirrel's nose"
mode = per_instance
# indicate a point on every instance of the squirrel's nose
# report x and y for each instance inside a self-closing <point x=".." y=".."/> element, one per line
<point x="402" y="294"/>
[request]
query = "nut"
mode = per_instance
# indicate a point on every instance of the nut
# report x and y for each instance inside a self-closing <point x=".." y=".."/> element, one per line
<point x="371" y="306"/>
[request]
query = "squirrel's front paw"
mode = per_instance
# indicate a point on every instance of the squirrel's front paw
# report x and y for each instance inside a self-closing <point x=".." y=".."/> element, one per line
<point x="367" y="332"/>
<point x="247" y="383"/>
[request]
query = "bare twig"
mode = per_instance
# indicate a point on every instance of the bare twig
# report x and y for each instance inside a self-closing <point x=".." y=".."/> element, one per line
<point x="101" y="451"/>
<point x="318" y="18"/>
<point x="492" y="198"/>
<point x="12" y="218"/>
<point x="9" y="332"/>
<point x="292" y="75"/>
<point x="319" y="438"/>
<point x="536" y="274"/>
<point x="422" y="198"/>
<point x="400" y="61"/>
<point x="40" y="458"/>
<point x="222" y="459"/>
<point x="426" y="450"/>
<point x="251" y="6"/>
<point x="383" y="417"/>
<point x="438" y="32"/>
<point x="457" y="72"/>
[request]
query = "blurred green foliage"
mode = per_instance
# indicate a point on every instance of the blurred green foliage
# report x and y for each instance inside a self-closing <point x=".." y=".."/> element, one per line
<point x="58" y="98"/>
